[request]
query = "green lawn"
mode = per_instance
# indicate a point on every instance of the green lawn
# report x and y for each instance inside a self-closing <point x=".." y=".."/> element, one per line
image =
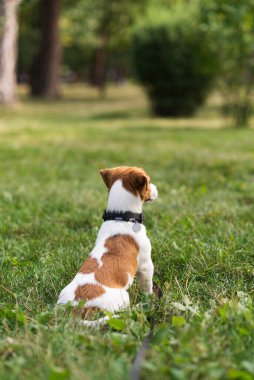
<point x="201" y="229"/>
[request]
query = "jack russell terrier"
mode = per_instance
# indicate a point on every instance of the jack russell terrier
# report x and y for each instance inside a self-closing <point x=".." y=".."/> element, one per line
<point x="122" y="248"/>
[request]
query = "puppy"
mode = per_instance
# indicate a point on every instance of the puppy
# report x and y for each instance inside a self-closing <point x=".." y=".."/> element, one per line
<point x="122" y="248"/>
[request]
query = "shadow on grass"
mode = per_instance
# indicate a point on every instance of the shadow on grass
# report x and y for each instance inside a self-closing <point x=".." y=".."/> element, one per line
<point x="180" y="129"/>
<point x="112" y="115"/>
<point x="62" y="99"/>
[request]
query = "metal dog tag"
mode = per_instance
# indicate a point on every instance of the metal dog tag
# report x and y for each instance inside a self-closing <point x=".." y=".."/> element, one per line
<point x="136" y="227"/>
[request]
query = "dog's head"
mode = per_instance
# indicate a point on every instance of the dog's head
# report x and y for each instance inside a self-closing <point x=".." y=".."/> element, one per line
<point x="135" y="180"/>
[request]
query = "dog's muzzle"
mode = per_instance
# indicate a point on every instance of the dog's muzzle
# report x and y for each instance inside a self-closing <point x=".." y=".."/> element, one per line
<point x="153" y="193"/>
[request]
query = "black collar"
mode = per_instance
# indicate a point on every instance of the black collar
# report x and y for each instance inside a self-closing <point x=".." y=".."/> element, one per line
<point x="127" y="216"/>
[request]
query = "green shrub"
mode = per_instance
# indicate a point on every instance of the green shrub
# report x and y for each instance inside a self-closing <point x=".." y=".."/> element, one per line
<point x="230" y="24"/>
<point x="174" y="62"/>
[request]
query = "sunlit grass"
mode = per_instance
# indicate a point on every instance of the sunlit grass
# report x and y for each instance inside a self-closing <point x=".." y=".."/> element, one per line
<point x="201" y="228"/>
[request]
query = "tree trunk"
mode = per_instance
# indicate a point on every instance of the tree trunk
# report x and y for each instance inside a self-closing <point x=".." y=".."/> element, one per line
<point x="46" y="67"/>
<point x="8" y="50"/>
<point x="100" y="66"/>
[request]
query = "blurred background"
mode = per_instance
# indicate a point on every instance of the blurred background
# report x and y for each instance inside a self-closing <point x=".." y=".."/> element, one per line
<point x="183" y="54"/>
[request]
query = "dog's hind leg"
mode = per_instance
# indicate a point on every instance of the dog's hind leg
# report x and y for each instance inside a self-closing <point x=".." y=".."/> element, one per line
<point x="113" y="300"/>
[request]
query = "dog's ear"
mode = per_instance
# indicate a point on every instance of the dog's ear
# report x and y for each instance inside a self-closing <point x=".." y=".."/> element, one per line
<point x="138" y="183"/>
<point x="107" y="177"/>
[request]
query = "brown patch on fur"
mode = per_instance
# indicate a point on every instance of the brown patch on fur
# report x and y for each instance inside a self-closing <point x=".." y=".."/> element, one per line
<point x="89" y="266"/>
<point x="135" y="180"/>
<point x="120" y="260"/>
<point x="88" y="292"/>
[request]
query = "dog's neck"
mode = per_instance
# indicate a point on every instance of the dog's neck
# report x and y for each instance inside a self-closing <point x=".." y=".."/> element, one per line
<point x="122" y="200"/>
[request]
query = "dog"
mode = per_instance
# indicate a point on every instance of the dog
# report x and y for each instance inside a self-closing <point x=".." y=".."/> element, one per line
<point x="122" y="248"/>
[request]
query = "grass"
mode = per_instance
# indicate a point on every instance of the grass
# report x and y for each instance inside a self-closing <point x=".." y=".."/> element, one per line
<point x="201" y="229"/>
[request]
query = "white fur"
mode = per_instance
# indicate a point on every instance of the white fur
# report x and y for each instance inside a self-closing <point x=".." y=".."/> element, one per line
<point x="154" y="192"/>
<point x="114" y="299"/>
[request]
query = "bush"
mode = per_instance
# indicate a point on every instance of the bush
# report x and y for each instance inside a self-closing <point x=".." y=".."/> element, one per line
<point x="230" y="24"/>
<point x="174" y="62"/>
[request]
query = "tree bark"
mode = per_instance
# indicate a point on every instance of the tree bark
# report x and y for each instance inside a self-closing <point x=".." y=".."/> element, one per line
<point x="98" y="71"/>
<point x="8" y="50"/>
<point x="46" y="67"/>
<point x="100" y="67"/>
